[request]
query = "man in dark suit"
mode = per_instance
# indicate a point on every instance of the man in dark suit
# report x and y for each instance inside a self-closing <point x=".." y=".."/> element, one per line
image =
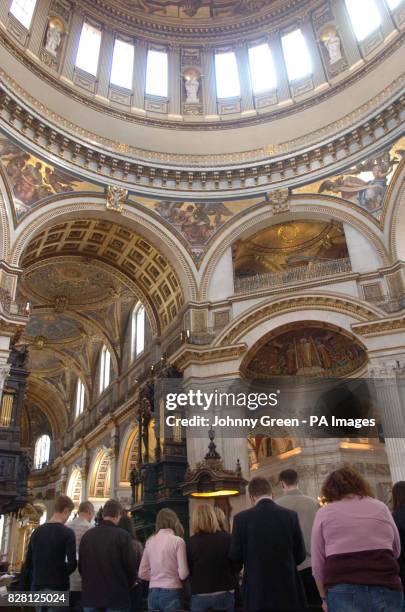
<point x="267" y="541"/>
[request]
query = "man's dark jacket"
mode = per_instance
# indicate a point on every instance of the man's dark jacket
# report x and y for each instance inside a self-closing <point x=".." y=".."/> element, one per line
<point x="108" y="567"/>
<point x="267" y="540"/>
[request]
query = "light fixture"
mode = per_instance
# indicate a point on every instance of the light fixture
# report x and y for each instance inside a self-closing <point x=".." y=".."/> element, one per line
<point x="210" y="479"/>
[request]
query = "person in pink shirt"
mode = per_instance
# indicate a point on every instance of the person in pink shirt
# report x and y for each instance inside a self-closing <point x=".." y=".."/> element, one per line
<point x="164" y="563"/>
<point x="354" y="548"/>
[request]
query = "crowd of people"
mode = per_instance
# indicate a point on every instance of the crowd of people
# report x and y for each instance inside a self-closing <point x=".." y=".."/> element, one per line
<point x="347" y="555"/>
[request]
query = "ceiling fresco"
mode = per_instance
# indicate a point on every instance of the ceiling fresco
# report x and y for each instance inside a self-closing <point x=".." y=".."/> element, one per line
<point x="288" y="245"/>
<point x="366" y="183"/>
<point x="32" y="180"/>
<point x="308" y="351"/>
<point x="53" y="327"/>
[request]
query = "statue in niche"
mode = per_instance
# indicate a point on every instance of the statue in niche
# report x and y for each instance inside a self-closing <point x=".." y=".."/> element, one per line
<point x="192" y="85"/>
<point x="54" y="36"/>
<point x="333" y="45"/>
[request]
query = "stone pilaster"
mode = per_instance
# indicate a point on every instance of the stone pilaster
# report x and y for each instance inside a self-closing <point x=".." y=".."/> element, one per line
<point x="105" y="63"/>
<point x="209" y="83"/>
<point x="283" y="86"/>
<point x="72" y="46"/>
<point x="39" y="24"/>
<point x="318" y="73"/>
<point x="246" y="95"/>
<point x="389" y="395"/>
<point x="174" y="80"/>
<point x="139" y="75"/>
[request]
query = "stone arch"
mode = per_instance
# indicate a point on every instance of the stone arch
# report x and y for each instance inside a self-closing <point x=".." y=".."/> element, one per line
<point x="259" y="320"/>
<point x="128" y="457"/>
<point x="74" y="486"/>
<point x="301" y="207"/>
<point x="5" y="217"/>
<point x="100" y="475"/>
<point x="394" y="214"/>
<point x="136" y="220"/>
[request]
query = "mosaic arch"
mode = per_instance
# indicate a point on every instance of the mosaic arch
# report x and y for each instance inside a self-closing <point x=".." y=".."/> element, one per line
<point x="307" y="349"/>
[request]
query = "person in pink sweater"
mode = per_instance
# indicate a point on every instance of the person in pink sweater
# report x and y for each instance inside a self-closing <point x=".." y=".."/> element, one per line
<point x="164" y="563"/>
<point x="354" y="548"/>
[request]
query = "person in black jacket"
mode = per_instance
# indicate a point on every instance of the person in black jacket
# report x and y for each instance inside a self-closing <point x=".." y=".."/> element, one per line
<point x="211" y="572"/>
<point x="267" y="541"/>
<point x="398" y="504"/>
<point x="51" y="554"/>
<point x="107" y="563"/>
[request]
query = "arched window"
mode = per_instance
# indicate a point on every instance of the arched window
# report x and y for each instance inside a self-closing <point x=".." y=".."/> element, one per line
<point x="157" y="74"/>
<point x="227" y="75"/>
<point x="364" y="16"/>
<point x="23" y="10"/>
<point x="105" y="366"/>
<point x="137" y="330"/>
<point x="79" y="398"/>
<point x="89" y="48"/>
<point x="122" y="64"/>
<point x="262" y="70"/>
<point x="296" y="55"/>
<point x="42" y="451"/>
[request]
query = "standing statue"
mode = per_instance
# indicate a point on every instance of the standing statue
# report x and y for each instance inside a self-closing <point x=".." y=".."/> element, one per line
<point x="53" y="37"/>
<point x="192" y="85"/>
<point x="333" y="47"/>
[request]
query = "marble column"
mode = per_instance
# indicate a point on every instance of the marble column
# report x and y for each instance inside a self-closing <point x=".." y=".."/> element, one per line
<point x="389" y="386"/>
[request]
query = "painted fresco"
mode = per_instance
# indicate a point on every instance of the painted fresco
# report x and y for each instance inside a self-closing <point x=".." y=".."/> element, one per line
<point x="307" y="352"/>
<point x="286" y="246"/>
<point x="197" y="222"/>
<point x="366" y="183"/>
<point x="32" y="180"/>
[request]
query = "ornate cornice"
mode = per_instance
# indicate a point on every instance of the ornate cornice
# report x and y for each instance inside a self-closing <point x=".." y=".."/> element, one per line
<point x="188" y="355"/>
<point x="380" y="327"/>
<point x="160" y="176"/>
<point x="250" y="320"/>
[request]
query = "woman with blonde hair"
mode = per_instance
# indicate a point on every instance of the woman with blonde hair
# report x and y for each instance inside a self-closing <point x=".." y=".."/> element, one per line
<point x="221" y="518"/>
<point x="354" y="548"/>
<point x="211" y="573"/>
<point x="164" y="563"/>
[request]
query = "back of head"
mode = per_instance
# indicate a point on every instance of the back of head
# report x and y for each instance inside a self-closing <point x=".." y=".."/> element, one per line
<point x="345" y="482"/>
<point x="167" y="519"/>
<point x="204" y="520"/>
<point x="289" y="477"/>
<point x="259" y="487"/>
<point x="112" y="509"/>
<point x="221" y="518"/>
<point x="398" y="495"/>
<point x="86" y="507"/>
<point x="63" y="503"/>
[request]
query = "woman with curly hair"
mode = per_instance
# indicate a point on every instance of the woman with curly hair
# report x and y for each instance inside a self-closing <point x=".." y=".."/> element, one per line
<point x="354" y="548"/>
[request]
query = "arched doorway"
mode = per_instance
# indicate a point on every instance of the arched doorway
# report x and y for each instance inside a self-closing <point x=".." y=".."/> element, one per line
<point x="311" y="351"/>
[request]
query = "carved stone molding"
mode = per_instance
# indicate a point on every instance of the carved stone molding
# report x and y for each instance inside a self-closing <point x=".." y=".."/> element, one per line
<point x="377" y="328"/>
<point x="250" y="320"/>
<point x="189" y="355"/>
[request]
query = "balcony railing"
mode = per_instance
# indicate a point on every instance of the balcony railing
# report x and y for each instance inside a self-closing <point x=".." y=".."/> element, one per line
<point x="270" y="280"/>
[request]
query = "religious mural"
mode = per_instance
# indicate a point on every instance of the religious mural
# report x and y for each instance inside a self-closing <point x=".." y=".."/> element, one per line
<point x="32" y="180"/>
<point x="290" y="245"/>
<point x="307" y="351"/>
<point x="366" y="183"/>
